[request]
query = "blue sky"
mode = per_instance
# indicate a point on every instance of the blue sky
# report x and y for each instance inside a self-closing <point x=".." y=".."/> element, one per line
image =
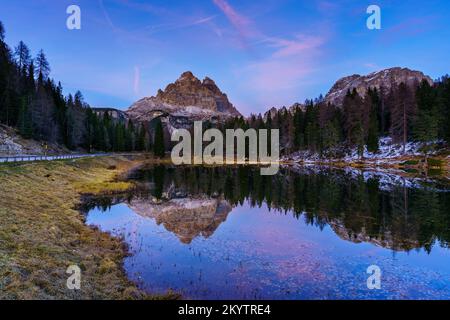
<point x="262" y="53"/>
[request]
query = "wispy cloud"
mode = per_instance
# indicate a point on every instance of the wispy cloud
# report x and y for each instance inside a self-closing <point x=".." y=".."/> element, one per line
<point x="241" y="23"/>
<point x="175" y="21"/>
<point x="291" y="47"/>
<point x="283" y="63"/>
<point x="203" y="20"/>
<point x="283" y="72"/>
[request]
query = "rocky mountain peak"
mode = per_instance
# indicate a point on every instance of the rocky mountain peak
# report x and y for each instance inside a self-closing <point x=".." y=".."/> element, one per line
<point x="187" y="76"/>
<point x="187" y="96"/>
<point x="381" y="79"/>
<point x="208" y="82"/>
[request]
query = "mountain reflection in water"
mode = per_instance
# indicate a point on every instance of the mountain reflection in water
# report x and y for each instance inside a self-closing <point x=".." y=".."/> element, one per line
<point x="188" y="218"/>
<point x="304" y="233"/>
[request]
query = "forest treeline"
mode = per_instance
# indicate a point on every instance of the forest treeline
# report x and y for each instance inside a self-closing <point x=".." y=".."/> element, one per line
<point x="406" y="112"/>
<point x="34" y="104"/>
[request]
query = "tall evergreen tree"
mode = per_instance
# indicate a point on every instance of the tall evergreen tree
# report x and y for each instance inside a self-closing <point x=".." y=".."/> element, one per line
<point x="159" y="147"/>
<point x="299" y="128"/>
<point x="426" y="124"/>
<point x="329" y="126"/>
<point x="354" y="120"/>
<point x="25" y="123"/>
<point x="403" y="110"/>
<point x="374" y="104"/>
<point x="140" y="141"/>
<point x="42" y="65"/>
<point x="22" y="55"/>
<point x="444" y="108"/>
<point x="2" y="32"/>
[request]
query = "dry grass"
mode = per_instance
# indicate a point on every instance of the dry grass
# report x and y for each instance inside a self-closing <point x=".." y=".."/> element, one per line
<point x="41" y="233"/>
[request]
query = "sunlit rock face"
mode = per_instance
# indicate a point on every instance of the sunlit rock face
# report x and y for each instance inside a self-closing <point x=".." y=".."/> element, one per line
<point x="187" y="218"/>
<point x="384" y="79"/>
<point x="186" y="98"/>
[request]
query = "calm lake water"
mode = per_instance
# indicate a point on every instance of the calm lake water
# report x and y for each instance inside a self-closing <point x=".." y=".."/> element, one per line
<point x="307" y="233"/>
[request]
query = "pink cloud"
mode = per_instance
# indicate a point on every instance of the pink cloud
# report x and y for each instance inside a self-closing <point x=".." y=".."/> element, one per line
<point x="241" y="23"/>
<point x="301" y="44"/>
<point x="278" y="79"/>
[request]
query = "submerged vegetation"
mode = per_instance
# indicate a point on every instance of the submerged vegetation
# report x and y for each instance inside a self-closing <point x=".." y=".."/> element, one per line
<point x="42" y="233"/>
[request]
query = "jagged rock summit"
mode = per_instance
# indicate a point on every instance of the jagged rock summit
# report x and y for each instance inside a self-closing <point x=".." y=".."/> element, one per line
<point x="186" y="97"/>
<point x="381" y="79"/>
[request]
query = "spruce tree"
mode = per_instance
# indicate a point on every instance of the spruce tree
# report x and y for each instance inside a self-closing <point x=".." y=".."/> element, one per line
<point x="403" y="110"/>
<point x="426" y="127"/>
<point x="444" y="108"/>
<point x="25" y="124"/>
<point x="140" y="141"/>
<point x="353" y="122"/>
<point x="42" y="65"/>
<point x="299" y="129"/>
<point x="2" y="32"/>
<point x="22" y="55"/>
<point x="159" y="147"/>
<point x="373" y="125"/>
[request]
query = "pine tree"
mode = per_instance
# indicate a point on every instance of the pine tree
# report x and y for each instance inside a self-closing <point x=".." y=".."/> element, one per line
<point x="140" y="142"/>
<point x="22" y="55"/>
<point x="426" y="127"/>
<point x="444" y="108"/>
<point x="120" y="137"/>
<point x="329" y="126"/>
<point x="299" y="128"/>
<point x="6" y="77"/>
<point x="374" y="104"/>
<point x="2" y="32"/>
<point x="42" y="65"/>
<point x="384" y="114"/>
<point x="312" y="137"/>
<point x="25" y="123"/>
<point x="403" y="110"/>
<point x="269" y="126"/>
<point x="130" y="139"/>
<point x="159" y="148"/>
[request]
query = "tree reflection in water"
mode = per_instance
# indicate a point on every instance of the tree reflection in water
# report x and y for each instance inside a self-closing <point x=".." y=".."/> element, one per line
<point x="194" y="201"/>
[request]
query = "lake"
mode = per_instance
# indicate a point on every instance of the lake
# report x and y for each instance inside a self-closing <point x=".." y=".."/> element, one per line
<point x="306" y="233"/>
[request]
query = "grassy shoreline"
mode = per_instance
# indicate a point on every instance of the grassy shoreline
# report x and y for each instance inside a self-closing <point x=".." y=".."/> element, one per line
<point x="42" y="233"/>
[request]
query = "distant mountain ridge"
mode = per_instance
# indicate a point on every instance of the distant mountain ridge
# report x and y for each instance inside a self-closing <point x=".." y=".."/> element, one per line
<point x="112" y="112"/>
<point x="385" y="79"/>
<point x="381" y="79"/>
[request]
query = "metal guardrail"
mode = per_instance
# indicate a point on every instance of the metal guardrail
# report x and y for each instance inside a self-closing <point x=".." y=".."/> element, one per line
<point x="30" y="158"/>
